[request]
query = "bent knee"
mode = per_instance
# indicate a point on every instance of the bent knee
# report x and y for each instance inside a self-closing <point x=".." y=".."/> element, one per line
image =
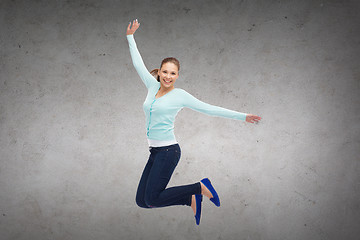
<point x="141" y="203"/>
<point x="151" y="202"/>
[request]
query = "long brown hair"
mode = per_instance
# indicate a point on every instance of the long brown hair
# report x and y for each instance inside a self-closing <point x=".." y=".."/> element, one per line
<point x="173" y="60"/>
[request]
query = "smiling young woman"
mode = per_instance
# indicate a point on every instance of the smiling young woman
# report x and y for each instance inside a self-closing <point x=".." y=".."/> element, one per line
<point x="162" y="104"/>
<point x="166" y="75"/>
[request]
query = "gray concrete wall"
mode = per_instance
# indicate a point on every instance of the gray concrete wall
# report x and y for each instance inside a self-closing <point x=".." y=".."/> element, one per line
<point x="72" y="128"/>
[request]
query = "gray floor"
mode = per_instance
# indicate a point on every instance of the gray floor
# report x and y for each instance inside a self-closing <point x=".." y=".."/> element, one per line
<point x="72" y="128"/>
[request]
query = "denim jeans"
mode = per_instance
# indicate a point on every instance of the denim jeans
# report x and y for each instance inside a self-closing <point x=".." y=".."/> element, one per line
<point x="152" y="191"/>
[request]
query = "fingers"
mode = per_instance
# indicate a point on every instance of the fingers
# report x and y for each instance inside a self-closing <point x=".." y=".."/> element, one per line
<point x="254" y="119"/>
<point x="257" y="119"/>
<point x="131" y="29"/>
<point x="136" y="24"/>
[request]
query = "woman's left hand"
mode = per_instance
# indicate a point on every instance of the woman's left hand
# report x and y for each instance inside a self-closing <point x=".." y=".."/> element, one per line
<point x="252" y="118"/>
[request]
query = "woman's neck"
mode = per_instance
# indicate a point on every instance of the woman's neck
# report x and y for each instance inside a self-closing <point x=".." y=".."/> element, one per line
<point x="165" y="90"/>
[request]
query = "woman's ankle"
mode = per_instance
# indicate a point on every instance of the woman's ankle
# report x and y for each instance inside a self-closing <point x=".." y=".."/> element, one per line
<point x="193" y="204"/>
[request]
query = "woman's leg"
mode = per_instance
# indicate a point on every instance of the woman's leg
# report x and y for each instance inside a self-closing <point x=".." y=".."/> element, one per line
<point x="140" y="194"/>
<point x="164" y="163"/>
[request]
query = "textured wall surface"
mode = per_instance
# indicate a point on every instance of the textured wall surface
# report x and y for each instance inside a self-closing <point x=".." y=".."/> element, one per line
<point x="72" y="129"/>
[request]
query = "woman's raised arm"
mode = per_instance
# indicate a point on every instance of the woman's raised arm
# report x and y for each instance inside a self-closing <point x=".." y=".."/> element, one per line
<point x="138" y="63"/>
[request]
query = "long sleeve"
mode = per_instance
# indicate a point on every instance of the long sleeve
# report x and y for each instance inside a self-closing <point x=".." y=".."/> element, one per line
<point x="138" y="63"/>
<point x="197" y="105"/>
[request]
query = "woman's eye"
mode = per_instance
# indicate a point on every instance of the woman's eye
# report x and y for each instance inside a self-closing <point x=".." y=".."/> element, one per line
<point x="173" y="73"/>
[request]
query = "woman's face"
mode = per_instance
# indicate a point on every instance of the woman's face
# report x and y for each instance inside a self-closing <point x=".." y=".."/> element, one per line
<point x="168" y="75"/>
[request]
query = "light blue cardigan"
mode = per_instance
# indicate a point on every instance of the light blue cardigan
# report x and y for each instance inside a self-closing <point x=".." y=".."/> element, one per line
<point x="160" y="113"/>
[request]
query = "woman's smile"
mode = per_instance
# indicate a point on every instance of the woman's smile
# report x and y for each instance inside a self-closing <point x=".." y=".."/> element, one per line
<point x="167" y="81"/>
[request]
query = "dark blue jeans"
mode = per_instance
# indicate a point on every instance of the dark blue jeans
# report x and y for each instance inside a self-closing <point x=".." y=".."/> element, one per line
<point x="152" y="191"/>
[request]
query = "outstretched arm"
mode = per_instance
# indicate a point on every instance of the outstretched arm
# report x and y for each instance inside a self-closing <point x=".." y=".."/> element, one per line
<point x="138" y="63"/>
<point x="197" y="105"/>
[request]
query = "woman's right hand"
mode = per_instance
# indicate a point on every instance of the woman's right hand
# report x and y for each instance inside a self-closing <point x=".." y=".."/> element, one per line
<point x="134" y="27"/>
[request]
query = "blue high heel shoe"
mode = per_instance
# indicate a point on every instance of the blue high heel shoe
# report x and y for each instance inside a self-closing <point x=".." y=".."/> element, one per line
<point x="198" y="198"/>
<point x="215" y="199"/>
